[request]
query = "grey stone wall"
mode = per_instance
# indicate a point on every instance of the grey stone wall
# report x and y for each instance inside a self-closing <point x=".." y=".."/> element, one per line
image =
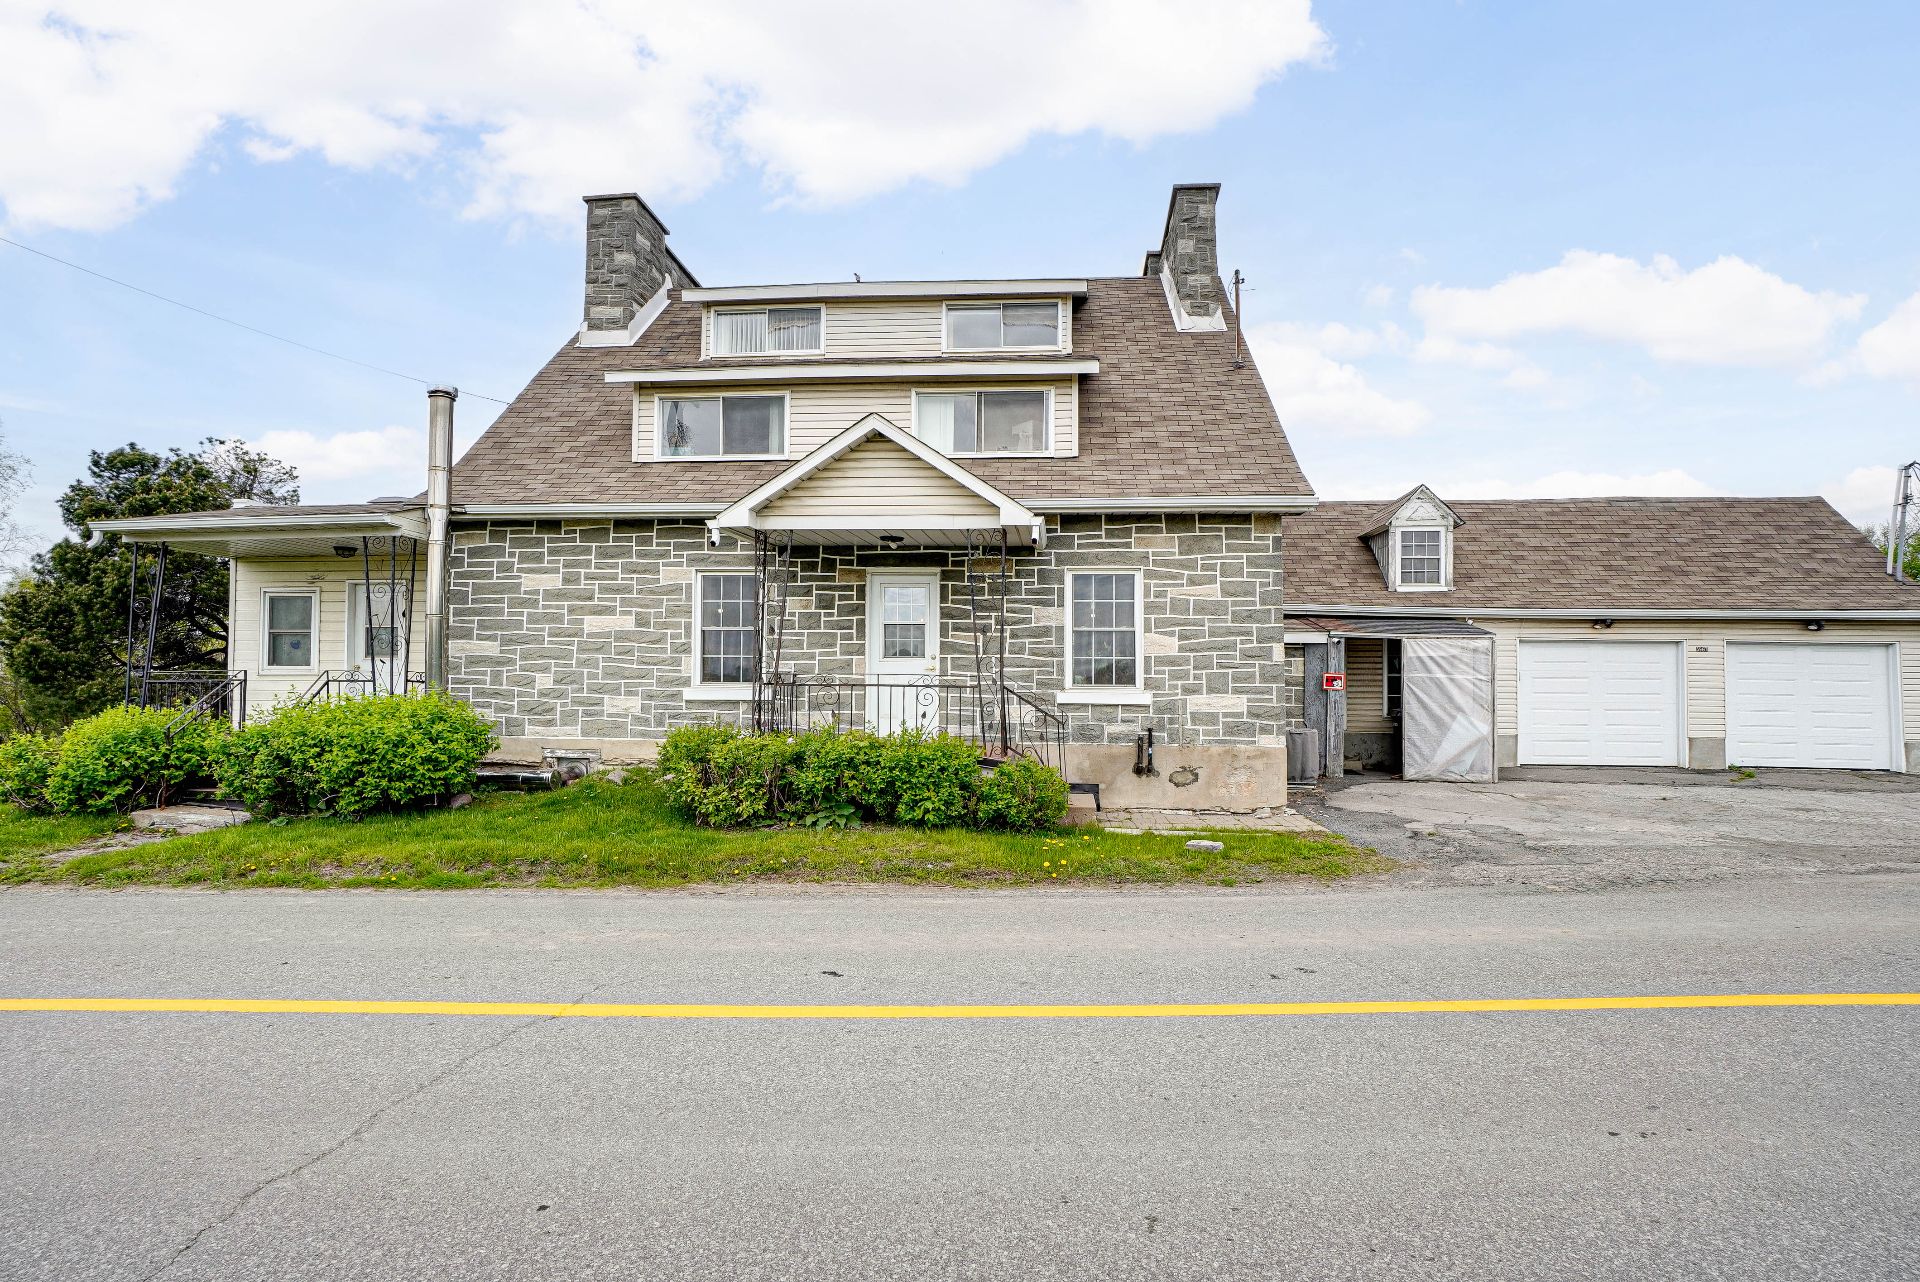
<point x="1189" y="249"/>
<point x="627" y="260"/>
<point x="584" y="629"/>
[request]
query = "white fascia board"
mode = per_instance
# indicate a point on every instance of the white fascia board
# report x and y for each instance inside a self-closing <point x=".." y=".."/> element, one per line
<point x="627" y="337"/>
<point x="819" y="371"/>
<point x="584" y="511"/>
<point x="1603" y="612"/>
<point x="828" y="290"/>
<point x="168" y="529"/>
<point x="1183" y="320"/>
<point x="1284" y="504"/>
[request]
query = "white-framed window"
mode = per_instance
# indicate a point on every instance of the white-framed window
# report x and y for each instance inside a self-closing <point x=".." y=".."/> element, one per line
<point x="769" y="331"/>
<point x="1104" y="629"/>
<point x="986" y="421"/>
<point x="729" y="640"/>
<point x="726" y="426"/>
<point x="289" y="625"/>
<point x="1421" y="560"/>
<point x="980" y="327"/>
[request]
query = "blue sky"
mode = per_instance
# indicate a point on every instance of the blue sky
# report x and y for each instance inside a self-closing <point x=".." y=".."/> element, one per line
<point x="1506" y="249"/>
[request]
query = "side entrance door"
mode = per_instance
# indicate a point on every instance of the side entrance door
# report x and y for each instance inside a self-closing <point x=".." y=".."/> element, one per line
<point x="903" y="650"/>
<point x="377" y="638"/>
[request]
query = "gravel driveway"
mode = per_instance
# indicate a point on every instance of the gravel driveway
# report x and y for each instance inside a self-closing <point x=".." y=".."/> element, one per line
<point x="1585" y="829"/>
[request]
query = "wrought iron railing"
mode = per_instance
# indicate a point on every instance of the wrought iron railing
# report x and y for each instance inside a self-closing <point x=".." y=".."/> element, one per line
<point x="340" y="685"/>
<point x="226" y="700"/>
<point x="1000" y="721"/>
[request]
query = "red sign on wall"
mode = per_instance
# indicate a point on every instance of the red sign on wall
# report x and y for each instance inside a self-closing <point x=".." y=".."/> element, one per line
<point x="1334" y="681"/>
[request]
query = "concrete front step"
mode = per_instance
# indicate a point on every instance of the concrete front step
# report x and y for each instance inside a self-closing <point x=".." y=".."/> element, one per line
<point x="190" y="818"/>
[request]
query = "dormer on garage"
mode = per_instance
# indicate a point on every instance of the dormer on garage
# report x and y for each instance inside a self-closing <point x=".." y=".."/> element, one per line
<point x="866" y="320"/>
<point x="1412" y="540"/>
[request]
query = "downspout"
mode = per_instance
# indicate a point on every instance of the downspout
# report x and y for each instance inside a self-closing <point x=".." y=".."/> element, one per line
<point x="439" y="515"/>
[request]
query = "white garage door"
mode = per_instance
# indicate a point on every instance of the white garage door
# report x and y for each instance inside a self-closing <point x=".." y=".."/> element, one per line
<point x="1600" y="703"/>
<point x="1810" y="704"/>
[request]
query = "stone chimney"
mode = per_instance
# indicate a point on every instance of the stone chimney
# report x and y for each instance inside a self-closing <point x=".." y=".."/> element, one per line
<point x="628" y="264"/>
<point x="1188" y="260"/>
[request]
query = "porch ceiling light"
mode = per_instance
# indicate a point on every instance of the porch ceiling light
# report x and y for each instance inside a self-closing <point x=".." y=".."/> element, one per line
<point x="894" y="539"/>
<point x="1603" y="623"/>
<point x="1814" y="625"/>
<point x="344" y="550"/>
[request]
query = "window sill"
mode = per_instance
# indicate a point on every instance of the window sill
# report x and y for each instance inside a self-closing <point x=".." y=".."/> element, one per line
<point x="716" y="458"/>
<point x="1115" y="697"/>
<point x="1424" y="587"/>
<point x="729" y="693"/>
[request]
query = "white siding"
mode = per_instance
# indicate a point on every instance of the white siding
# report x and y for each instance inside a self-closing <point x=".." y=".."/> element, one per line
<point x="883" y="481"/>
<point x="816" y="413"/>
<point x="870" y="327"/>
<point x="1703" y="661"/>
<point x="331" y="578"/>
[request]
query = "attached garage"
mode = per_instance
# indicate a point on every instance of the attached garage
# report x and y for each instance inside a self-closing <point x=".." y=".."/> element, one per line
<point x="1812" y="704"/>
<point x="1599" y="703"/>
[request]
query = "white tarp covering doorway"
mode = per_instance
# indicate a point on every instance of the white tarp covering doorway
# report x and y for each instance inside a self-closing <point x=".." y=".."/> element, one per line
<point x="1446" y="709"/>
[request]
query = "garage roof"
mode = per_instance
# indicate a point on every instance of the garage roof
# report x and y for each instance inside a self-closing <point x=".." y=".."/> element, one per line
<point x="1597" y="556"/>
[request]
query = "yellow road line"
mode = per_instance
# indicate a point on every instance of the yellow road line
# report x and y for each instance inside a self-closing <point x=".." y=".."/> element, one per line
<point x="649" y="1010"/>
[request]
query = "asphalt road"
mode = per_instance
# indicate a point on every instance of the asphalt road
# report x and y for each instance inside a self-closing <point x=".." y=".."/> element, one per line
<point x="1627" y="1144"/>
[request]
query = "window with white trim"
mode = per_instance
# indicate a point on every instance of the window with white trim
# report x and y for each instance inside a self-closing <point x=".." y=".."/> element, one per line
<point x="729" y="641"/>
<point x="768" y="331"/>
<point x="1001" y="422"/>
<point x="289" y="623"/>
<point x="1422" y="558"/>
<point x="986" y="326"/>
<point x="1103" y="626"/>
<point x="722" y="426"/>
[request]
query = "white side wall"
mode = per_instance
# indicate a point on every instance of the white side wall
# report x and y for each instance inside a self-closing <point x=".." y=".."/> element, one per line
<point x="1704" y="671"/>
<point x="330" y="577"/>
<point x="869" y="327"/>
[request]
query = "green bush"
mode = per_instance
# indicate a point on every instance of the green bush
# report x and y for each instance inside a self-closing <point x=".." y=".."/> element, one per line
<point x="120" y="760"/>
<point x="1022" y="795"/>
<point x="26" y="763"/>
<point x="930" y="780"/>
<point x="832" y="778"/>
<point x="356" y="755"/>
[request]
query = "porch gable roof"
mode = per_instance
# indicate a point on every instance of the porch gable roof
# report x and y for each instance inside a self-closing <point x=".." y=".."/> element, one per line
<point x="954" y="500"/>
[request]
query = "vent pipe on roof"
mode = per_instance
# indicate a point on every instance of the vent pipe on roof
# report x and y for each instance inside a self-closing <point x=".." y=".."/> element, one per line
<point x="439" y="517"/>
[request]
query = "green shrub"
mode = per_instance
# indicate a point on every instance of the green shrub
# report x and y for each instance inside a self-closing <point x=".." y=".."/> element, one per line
<point x="746" y="781"/>
<point x="356" y="755"/>
<point x="120" y="760"/>
<point x="929" y="781"/>
<point x="1022" y="795"/>
<point x="26" y="762"/>
<point x="834" y="767"/>
<point x="685" y="761"/>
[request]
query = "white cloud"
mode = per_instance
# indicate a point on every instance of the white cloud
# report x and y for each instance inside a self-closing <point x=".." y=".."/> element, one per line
<point x="1377" y="296"/>
<point x="1314" y="392"/>
<point x="1864" y="495"/>
<point x="105" y="105"/>
<point x="1891" y="349"/>
<point x="1344" y="342"/>
<point x="398" y="452"/>
<point x="1728" y="312"/>
<point x="1437" y="349"/>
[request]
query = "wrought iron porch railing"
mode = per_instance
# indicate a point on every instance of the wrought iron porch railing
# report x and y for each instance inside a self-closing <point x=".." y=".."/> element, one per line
<point x="226" y="700"/>
<point x="181" y="689"/>
<point x="340" y="685"/>
<point x="1000" y="721"/>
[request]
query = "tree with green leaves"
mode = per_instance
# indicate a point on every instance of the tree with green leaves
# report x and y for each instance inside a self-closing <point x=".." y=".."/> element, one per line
<point x="1881" y="533"/>
<point x="63" y="628"/>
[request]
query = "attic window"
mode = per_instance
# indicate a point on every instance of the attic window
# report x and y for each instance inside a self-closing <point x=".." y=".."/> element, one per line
<point x="722" y="426"/>
<point x="767" y="331"/>
<point x="986" y="422"/>
<point x="1422" y="558"/>
<point x="987" y="326"/>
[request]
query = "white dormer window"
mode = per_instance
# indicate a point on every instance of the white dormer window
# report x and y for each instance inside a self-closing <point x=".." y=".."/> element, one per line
<point x="768" y="331"/>
<point x="1421" y="558"/>
<point x="977" y="327"/>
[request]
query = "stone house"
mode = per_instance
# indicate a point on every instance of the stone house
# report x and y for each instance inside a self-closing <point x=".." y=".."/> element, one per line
<point x="1059" y="516"/>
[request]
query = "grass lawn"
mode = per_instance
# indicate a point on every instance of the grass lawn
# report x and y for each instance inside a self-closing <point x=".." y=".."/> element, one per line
<point x="598" y="833"/>
<point x="23" y="836"/>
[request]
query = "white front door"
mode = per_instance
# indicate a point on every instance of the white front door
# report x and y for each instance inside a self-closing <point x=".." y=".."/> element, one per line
<point x="1600" y="703"/>
<point x="903" y="650"/>
<point x="1817" y="704"/>
<point x="377" y="642"/>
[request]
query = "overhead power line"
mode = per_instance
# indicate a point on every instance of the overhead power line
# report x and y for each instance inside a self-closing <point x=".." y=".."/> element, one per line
<point x="228" y="320"/>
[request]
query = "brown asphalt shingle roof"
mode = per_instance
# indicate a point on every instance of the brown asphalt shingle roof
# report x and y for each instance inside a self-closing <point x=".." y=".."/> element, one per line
<point x="1167" y="415"/>
<point x="1610" y="554"/>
